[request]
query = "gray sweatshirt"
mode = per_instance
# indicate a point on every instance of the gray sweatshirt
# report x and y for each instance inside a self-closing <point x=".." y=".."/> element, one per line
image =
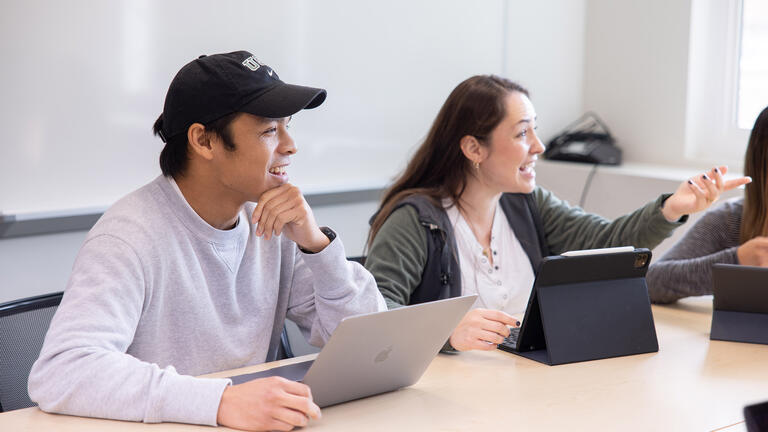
<point x="686" y="269"/>
<point x="157" y="295"/>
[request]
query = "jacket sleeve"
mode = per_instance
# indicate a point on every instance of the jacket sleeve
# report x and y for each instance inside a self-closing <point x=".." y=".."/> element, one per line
<point x="570" y="228"/>
<point x="83" y="368"/>
<point x="686" y="269"/>
<point x="398" y="255"/>
<point x="327" y="288"/>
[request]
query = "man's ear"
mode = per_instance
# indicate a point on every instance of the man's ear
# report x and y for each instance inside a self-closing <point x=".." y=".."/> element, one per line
<point x="200" y="141"/>
<point x="472" y="149"/>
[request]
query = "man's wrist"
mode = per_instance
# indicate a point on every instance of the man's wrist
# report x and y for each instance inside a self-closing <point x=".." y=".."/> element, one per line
<point x="324" y="237"/>
<point x="221" y="413"/>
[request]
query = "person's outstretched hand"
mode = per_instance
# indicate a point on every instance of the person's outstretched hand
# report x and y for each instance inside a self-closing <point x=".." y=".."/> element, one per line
<point x="698" y="193"/>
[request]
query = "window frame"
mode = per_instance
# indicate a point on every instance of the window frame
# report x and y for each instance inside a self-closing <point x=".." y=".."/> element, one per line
<point x="712" y="130"/>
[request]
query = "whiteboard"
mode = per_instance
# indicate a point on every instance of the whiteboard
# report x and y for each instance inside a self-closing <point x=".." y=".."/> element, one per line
<point x="82" y="82"/>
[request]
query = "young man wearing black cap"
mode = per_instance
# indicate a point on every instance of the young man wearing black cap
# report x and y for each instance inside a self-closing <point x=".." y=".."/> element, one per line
<point x="188" y="275"/>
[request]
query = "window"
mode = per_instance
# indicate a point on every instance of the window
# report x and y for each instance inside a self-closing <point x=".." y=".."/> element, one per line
<point x="727" y="77"/>
<point x="753" y="62"/>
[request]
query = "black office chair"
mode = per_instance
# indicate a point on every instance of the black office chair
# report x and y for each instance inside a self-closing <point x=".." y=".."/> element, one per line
<point x="285" y="340"/>
<point x="23" y="325"/>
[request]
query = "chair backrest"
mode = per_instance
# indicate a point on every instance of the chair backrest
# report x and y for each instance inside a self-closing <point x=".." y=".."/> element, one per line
<point x="23" y="325"/>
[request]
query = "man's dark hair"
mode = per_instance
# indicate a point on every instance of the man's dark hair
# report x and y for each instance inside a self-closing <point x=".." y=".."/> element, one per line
<point x="175" y="155"/>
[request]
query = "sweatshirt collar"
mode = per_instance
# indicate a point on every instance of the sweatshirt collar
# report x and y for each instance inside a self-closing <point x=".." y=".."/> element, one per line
<point x="190" y="219"/>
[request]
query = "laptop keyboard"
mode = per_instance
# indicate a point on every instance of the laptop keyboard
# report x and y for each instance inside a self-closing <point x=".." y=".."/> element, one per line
<point x="511" y="340"/>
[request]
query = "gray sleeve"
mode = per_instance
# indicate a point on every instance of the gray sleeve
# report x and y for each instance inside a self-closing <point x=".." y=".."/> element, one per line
<point x="398" y="255"/>
<point x="83" y="368"/>
<point x="327" y="288"/>
<point x="570" y="228"/>
<point x="686" y="269"/>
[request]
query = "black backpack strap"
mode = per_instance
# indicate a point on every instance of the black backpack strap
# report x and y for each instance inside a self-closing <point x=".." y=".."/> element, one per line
<point x="524" y="218"/>
<point x="441" y="277"/>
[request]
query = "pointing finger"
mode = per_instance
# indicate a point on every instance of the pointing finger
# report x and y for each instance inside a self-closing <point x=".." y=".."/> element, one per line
<point x="733" y="184"/>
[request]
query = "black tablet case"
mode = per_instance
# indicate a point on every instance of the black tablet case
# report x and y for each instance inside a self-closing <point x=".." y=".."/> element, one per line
<point x="740" y="304"/>
<point x="756" y="417"/>
<point x="589" y="307"/>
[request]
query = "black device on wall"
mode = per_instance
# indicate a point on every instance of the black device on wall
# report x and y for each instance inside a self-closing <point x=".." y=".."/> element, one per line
<point x="587" y="140"/>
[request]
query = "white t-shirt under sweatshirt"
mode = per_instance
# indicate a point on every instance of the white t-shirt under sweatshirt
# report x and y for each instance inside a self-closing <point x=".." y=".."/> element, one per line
<point x="157" y="295"/>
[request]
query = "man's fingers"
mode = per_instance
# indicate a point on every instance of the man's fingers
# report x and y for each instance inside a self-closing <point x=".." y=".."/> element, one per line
<point x="303" y="391"/>
<point x="263" y="199"/>
<point x="273" y="211"/>
<point x="280" y="425"/>
<point x="282" y="214"/>
<point x="269" y="207"/>
<point x="285" y="218"/>
<point x="266" y="197"/>
<point x="295" y="388"/>
<point x="302" y="404"/>
<point x="270" y="216"/>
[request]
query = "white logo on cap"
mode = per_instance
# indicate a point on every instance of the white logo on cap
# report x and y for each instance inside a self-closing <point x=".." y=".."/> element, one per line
<point x="252" y="63"/>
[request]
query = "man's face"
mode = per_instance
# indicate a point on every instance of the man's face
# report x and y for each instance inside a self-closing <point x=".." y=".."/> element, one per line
<point x="260" y="159"/>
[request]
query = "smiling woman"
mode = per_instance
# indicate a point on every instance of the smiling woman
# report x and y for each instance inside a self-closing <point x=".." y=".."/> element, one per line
<point x="466" y="216"/>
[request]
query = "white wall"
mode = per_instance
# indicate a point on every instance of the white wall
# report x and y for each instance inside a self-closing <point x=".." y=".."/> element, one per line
<point x="635" y="75"/>
<point x="388" y="67"/>
<point x="545" y="52"/>
<point x="624" y="59"/>
<point x="88" y="79"/>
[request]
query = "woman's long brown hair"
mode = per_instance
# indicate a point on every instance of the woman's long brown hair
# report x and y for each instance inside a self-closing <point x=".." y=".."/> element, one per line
<point x="439" y="169"/>
<point x="753" y="218"/>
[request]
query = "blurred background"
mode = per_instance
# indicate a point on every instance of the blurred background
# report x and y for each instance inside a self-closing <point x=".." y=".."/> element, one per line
<point x="679" y="84"/>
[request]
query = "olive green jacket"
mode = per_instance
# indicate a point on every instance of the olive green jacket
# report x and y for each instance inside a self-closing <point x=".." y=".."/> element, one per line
<point x="398" y="254"/>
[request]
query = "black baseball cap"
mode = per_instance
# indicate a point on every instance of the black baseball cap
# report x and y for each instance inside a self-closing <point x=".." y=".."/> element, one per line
<point x="213" y="86"/>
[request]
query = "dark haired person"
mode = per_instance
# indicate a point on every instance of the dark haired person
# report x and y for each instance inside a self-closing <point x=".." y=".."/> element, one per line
<point x="466" y="215"/>
<point x="174" y="280"/>
<point x="735" y="232"/>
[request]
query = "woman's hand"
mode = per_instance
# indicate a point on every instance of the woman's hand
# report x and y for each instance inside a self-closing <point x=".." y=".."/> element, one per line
<point x="754" y="252"/>
<point x="482" y="329"/>
<point x="699" y="192"/>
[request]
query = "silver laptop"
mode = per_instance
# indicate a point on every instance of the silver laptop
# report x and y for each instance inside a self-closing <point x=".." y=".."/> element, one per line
<point x="375" y="353"/>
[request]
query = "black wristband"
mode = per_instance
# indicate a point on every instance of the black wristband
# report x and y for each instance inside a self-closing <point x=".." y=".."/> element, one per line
<point x="331" y="234"/>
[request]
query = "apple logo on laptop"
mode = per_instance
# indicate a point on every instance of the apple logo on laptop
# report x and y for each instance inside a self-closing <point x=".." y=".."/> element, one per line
<point x="383" y="355"/>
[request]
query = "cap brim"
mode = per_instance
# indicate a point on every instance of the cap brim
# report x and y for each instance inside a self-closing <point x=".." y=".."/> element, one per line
<point x="285" y="100"/>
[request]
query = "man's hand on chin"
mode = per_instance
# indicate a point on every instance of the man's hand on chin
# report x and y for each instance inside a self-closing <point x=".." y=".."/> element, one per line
<point x="284" y="209"/>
